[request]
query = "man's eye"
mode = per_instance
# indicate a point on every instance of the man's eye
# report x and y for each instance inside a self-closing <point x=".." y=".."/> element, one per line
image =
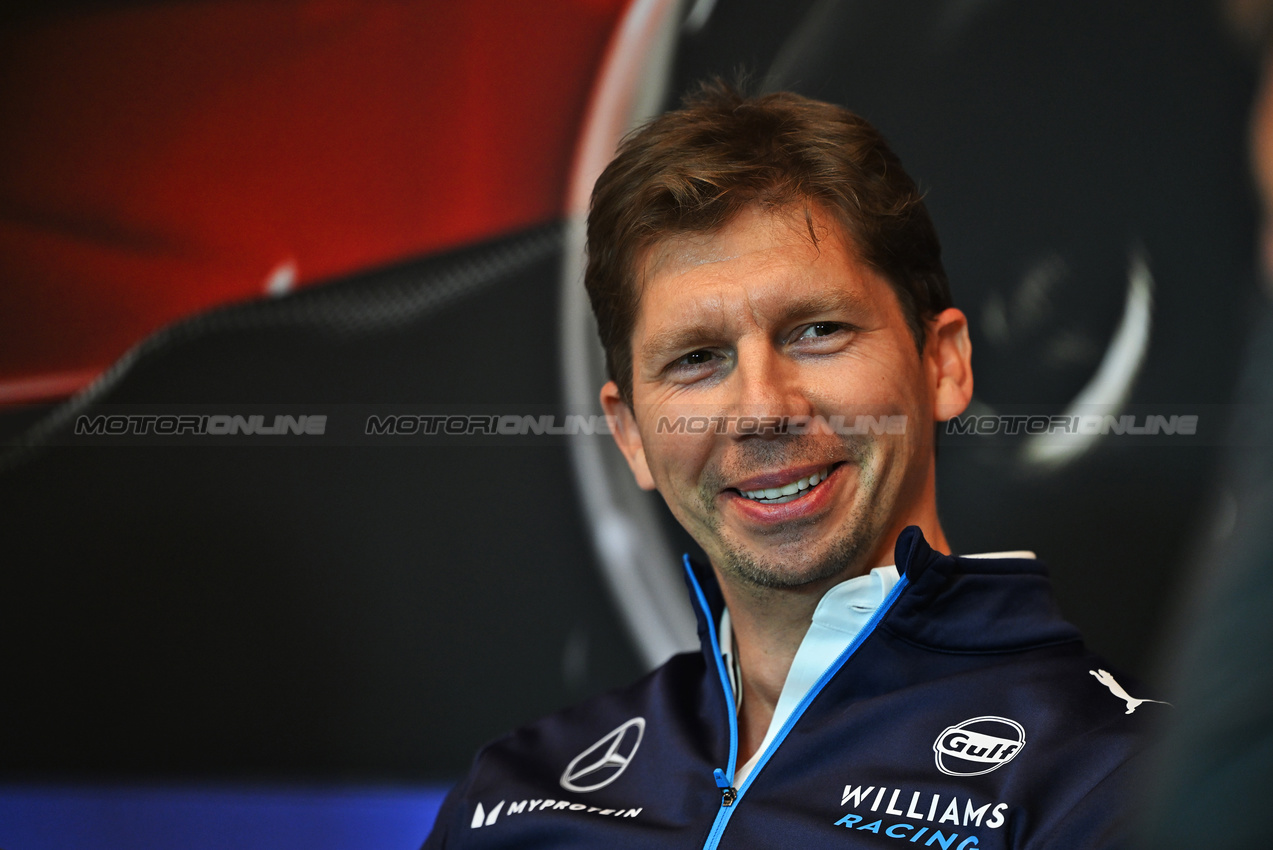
<point x="694" y="366"/>
<point x="695" y="358"/>
<point x="818" y="329"/>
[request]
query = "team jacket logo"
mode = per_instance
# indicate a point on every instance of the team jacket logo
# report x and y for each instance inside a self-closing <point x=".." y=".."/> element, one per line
<point x="1116" y="689"/>
<point x="603" y="762"/>
<point x="481" y="818"/>
<point x="978" y="745"/>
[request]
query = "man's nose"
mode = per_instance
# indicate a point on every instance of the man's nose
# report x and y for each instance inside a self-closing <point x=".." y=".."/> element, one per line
<point x="768" y="388"/>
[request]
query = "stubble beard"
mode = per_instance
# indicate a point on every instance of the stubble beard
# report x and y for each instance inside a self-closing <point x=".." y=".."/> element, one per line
<point x="843" y="556"/>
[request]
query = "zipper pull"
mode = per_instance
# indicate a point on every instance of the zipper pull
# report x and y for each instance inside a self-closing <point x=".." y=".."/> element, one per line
<point x="728" y="794"/>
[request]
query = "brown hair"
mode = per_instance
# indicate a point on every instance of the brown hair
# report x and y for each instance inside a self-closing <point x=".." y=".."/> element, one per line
<point x="694" y="169"/>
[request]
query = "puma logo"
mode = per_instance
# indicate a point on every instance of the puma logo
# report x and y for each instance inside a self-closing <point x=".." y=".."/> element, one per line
<point x="1116" y="689"/>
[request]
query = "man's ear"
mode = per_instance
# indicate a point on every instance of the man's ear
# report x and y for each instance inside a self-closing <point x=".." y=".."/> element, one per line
<point x="624" y="430"/>
<point x="948" y="358"/>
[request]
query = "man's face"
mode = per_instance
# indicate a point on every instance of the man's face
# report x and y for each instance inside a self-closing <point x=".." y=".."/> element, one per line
<point x="758" y="321"/>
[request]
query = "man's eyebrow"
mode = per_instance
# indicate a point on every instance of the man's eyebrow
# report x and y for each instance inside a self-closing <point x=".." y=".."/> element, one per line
<point x="680" y="338"/>
<point x="838" y="301"/>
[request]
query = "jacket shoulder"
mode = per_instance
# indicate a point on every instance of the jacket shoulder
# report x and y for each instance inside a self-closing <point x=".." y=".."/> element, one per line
<point x="537" y="757"/>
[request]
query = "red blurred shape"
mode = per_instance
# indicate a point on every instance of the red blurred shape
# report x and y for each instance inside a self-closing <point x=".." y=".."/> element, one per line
<point x="160" y="159"/>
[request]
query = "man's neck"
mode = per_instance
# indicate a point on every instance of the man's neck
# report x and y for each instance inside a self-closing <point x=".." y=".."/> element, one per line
<point x="768" y="625"/>
<point x="766" y="638"/>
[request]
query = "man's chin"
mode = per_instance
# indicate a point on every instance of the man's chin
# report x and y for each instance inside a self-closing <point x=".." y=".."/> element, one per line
<point x="797" y="568"/>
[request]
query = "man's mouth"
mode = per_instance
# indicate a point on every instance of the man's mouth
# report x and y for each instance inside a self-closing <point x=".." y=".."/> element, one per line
<point x="787" y="492"/>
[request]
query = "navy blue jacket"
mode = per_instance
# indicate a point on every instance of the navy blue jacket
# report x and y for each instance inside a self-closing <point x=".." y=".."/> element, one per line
<point x="967" y="714"/>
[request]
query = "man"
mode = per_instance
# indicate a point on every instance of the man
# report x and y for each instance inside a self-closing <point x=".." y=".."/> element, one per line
<point x="779" y="334"/>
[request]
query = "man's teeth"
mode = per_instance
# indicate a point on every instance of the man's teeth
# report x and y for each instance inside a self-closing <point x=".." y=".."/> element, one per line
<point x="788" y="492"/>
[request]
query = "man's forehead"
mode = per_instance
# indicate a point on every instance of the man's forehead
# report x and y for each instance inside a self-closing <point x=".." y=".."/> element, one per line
<point x="808" y="221"/>
<point x="686" y="251"/>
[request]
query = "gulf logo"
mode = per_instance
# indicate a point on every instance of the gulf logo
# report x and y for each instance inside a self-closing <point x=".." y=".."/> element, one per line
<point x="978" y="745"/>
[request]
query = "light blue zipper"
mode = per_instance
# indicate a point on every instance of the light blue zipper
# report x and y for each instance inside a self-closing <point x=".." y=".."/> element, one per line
<point x="730" y="797"/>
<point x="724" y="778"/>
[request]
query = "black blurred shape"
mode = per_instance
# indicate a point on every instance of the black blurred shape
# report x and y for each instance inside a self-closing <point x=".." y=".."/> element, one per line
<point x="1218" y="756"/>
<point x="327" y="611"/>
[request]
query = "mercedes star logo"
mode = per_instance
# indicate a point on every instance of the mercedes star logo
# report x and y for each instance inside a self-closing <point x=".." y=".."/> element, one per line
<point x="603" y="762"/>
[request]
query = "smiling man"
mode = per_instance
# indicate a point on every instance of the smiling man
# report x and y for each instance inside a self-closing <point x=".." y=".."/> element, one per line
<point x="780" y="337"/>
<point x="773" y="320"/>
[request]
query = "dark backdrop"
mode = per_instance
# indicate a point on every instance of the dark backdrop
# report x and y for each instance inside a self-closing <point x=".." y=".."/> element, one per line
<point x="353" y="609"/>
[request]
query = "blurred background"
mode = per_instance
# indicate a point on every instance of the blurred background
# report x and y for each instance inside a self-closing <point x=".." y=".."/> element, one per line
<point x="339" y="209"/>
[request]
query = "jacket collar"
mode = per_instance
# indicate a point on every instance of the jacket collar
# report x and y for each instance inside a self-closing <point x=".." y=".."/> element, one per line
<point x="946" y="603"/>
